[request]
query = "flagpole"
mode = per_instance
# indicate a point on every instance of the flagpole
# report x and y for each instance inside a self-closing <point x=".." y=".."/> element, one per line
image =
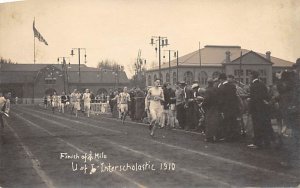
<point x="200" y="55"/>
<point x="240" y="71"/>
<point x="33" y="49"/>
<point x="34" y="44"/>
<point x="200" y="62"/>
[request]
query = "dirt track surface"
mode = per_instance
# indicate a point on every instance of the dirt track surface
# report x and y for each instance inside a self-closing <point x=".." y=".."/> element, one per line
<point x="38" y="147"/>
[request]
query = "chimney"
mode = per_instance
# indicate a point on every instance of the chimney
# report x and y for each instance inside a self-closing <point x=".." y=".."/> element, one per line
<point x="268" y="55"/>
<point x="227" y="60"/>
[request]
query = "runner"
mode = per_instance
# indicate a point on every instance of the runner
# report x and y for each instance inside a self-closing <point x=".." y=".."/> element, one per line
<point x="123" y="100"/>
<point x="73" y="100"/>
<point x="77" y="97"/>
<point x="155" y="96"/>
<point x="86" y="97"/>
<point x="4" y="111"/>
<point x="64" y="99"/>
<point x="54" y="100"/>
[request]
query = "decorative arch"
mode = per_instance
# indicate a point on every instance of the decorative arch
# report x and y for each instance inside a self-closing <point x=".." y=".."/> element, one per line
<point x="149" y="80"/>
<point x="188" y="77"/>
<point x="167" y="77"/>
<point x="174" y="78"/>
<point x="202" y="78"/>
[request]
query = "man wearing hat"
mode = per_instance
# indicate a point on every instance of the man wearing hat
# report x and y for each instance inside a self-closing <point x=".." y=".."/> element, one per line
<point x="229" y="108"/>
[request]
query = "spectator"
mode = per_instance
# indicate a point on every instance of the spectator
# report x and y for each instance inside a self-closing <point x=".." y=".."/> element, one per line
<point x="180" y="102"/>
<point x="259" y="110"/>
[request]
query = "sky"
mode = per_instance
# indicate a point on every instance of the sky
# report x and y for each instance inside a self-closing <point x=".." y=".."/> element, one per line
<point x="117" y="29"/>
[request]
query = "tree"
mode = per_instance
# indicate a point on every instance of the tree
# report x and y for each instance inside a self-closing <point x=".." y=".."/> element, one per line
<point x="110" y="65"/>
<point x="5" y="61"/>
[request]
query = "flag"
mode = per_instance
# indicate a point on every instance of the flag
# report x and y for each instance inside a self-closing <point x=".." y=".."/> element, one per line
<point x="38" y="34"/>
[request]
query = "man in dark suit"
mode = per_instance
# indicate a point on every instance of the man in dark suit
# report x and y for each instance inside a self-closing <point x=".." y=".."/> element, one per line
<point x="189" y="107"/>
<point x="259" y="109"/>
<point x="180" y="102"/>
<point x="229" y="108"/>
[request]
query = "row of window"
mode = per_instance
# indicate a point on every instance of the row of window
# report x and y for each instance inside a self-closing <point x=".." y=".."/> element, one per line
<point x="246" y="79"/>
<point x="188" y="78"/>
<point x="202" y="77"/>
<point x="238" y="72"/>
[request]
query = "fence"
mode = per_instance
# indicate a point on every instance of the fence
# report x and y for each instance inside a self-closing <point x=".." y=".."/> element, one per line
<point x="99" y="108"/>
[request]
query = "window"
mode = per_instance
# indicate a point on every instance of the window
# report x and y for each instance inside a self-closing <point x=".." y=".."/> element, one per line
<point x="248" y="72"/>
<point x="247" y="81"/>
<point x="202" y="78"/>
<point x="174" y="78"/>
<point x="154" y="78"/>
<point x="149" y="80"/>
<point x="188" y="77"/>
<point x="262" y="72"/>
<point x="238" y="72"/>
<point x="168" y="77"/>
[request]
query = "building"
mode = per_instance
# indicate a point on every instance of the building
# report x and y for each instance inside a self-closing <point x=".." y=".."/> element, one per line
<point x="33" y="81"/>
<point x="211" y="60"/>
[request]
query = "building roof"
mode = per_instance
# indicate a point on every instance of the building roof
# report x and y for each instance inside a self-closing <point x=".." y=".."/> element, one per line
<point x="37" y="67"/>
<point x="98" y="77"/>
<point x="27" y="73"/>
<point x="213" y="55"/>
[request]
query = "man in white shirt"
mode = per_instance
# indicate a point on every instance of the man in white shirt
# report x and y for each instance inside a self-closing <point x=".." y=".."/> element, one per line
<point x="86" y="97"/>
<point x="123" y="100"/>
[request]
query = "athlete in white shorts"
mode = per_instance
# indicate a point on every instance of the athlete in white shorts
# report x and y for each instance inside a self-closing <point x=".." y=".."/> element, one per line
<point x="86" y="97"/>
<point x="155" y="96"/>
<point x="123" y="100"/>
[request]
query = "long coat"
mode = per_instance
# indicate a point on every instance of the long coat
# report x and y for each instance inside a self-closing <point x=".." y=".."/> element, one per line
<point x="212" y="118"/>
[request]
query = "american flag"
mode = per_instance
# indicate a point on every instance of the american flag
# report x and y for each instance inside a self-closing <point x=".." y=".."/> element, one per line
<point x="38" y="34"/>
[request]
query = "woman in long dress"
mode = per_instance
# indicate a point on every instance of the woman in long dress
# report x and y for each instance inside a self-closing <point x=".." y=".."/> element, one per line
<point x="155" y="96"/>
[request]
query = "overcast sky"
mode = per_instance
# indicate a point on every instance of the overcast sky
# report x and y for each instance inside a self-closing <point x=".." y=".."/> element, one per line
<point x="117" y="29"/>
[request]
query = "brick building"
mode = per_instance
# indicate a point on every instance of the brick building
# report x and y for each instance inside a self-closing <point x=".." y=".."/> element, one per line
<point x="33" y="81"/>
<point x="210" y="61"/>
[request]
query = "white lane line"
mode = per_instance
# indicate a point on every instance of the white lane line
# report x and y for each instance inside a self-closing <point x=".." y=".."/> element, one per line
<point x="78" y="149"/>
<point x="125" y="148"/>
<point x="34" y="161"/>
<point x="178" y="130"/>
<point x="207" y="155"/>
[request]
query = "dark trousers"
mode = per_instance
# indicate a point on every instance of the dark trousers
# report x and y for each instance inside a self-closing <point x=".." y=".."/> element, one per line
<point x="1" y="121"/>
<point x="262" y="128"/>
<point x="190" y="116"/>
<point x="180" y="115"/>
<point x="231" y="127"/>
